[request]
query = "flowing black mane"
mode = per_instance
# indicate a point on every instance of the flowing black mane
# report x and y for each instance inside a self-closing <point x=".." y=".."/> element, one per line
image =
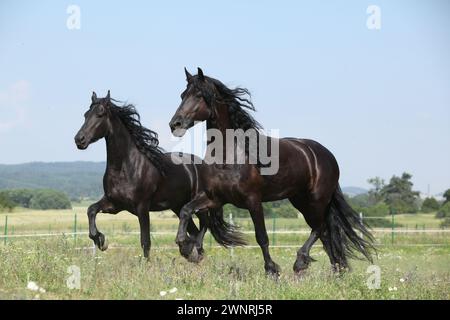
<point x="237" y="99"/>
<point x="145" y="139"/>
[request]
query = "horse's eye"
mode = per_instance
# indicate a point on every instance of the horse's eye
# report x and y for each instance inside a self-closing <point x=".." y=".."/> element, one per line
<point x="100" y="111"/>
<point x="198" y="95"/>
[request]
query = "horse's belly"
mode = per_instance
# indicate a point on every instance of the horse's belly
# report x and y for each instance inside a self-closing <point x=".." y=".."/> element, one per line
<point x="279" y="187"/>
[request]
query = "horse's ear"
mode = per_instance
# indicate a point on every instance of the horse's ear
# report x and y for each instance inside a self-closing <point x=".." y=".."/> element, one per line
<point x="94" y="96"/>
<point x="188" y="75"/>
<point x="200" y="74"/>
<point x="108" y="96"/>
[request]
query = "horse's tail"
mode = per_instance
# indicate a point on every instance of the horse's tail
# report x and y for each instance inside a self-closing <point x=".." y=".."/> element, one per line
<point x="223" y="232"/>
<point x="342" y="227"/>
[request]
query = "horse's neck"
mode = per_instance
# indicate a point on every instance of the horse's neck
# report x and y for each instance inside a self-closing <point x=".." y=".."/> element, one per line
<point x="119" y="146"/>
<point x="221" y="122"/>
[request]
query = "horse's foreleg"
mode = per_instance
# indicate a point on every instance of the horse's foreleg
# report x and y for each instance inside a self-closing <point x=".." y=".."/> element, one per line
<point x="98" y="237"/>
<point x="198" y="204"/>
<point x="144" y="224"/>
<point x="257" y="214"/>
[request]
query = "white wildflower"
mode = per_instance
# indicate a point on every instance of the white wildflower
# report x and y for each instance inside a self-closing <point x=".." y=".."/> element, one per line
<point x="173" y="290"/>
<point x="162" y="293"/>
<point x="32" y="286"/>
<point x="402" y="280"/>
<point x="392" y="288"/>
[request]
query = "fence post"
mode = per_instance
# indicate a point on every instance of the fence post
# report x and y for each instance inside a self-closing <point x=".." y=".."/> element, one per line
<point x="231" y="223"/>
<point x="274" y="227"/>
<point x="393" y="225"/>
<point x="75" y="228"/>
<point x="6" y="229"/>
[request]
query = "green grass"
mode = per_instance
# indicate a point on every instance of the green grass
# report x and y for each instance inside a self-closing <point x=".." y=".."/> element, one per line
<point x="122" y="274"/>
<point x="421" y="259"/>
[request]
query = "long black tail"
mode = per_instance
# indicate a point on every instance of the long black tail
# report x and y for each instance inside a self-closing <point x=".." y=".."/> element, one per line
<point x="343" y="226"/>
<point x="223" y="232"/>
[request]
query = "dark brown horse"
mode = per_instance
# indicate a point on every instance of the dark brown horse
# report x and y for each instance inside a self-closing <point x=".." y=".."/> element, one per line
<point x="140" y="178"/>
<point x="308" y="176"/>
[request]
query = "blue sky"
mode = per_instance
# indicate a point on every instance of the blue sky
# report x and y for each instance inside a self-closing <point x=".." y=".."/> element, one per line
<point x="378" y="99"/>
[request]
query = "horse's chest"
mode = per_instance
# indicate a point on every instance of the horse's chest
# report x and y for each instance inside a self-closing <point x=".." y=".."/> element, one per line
<point x="118" y="187"/>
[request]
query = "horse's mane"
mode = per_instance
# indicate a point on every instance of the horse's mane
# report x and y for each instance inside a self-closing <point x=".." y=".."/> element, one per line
<point x="237" y="99"/>
<point x="145" y="139"/>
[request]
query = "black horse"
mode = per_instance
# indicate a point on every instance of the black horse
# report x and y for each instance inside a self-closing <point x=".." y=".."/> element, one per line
<point x="308" y="176"/>
<point x="140" y="178"/>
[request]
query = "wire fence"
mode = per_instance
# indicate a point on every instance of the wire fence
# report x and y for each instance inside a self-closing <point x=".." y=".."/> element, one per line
<point x="393" y="230"/>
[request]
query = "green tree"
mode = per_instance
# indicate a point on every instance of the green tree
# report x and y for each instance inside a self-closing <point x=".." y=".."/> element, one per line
<point x="375" y="193"/>
<point x="446" y="196"/>
<point x="399" y="196"/>
<point x="49" y="199"/>
<point x="21" y="197"/>
<point x="444" y="211"/>
<point x="430" y="205"/>
<point x="40" y="199"/>
<point x="6" y="204"/>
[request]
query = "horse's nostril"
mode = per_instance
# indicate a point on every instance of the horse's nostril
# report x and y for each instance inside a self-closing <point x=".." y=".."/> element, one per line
<point x="175" y="125"/>
<point x="80" y="139"/>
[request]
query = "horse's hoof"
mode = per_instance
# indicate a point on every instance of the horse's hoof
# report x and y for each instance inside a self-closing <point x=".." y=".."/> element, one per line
<point x="187" y="248"/>
<point x="179" y="240"/>
<point x="200" y="257"/>
<point x="302" y="263"/>
<point x="339" y="270"/>
<point x="194" y="256"/>
<point x="102" y="242"/>
<point x="272" y="270"/>
<point x="300" y="274"/>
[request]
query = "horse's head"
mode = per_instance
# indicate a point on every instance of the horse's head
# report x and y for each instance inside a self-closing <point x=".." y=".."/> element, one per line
<point x="96" y="124"/>
<point x="195" y="103"/>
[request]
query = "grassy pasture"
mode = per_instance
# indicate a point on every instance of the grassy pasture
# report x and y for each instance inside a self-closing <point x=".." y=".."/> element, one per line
<point x="415" y="267"/>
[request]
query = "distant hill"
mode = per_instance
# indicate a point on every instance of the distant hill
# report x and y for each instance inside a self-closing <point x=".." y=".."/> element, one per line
<point x="76" y="179"/>
<point x="354" y="191"/>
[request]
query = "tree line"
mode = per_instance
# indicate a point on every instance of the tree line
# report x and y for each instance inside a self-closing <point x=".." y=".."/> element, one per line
<point x="397" y="197"/>
<point x="38" y="199"/>
<point x="383" y="199"/>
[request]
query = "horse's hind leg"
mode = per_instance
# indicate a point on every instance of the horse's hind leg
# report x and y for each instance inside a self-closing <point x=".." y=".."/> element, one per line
<point x="314" y="216"/>
<point x="203" y="219"/>
<point x="303" y="258"/>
